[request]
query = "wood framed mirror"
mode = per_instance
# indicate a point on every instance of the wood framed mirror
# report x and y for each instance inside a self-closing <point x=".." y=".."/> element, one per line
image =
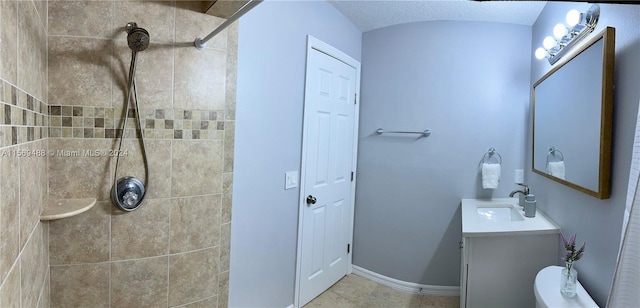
<point x="572" y="110"/>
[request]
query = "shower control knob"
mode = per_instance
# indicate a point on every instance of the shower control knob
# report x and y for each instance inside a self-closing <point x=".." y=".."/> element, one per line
<point x="311" y="200"/>
<point x="130" y="198"/>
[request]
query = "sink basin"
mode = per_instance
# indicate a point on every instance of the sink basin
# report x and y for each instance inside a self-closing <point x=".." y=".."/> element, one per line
<point x="499" y="213"/>
<point x="500" y="217"/>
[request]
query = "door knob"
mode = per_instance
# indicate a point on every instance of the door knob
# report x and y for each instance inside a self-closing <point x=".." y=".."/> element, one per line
<point x="311" y="200"/>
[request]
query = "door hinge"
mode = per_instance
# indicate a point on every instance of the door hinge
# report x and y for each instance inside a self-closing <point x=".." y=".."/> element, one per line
<point x="348" y="248"/>
<point x="355" y="98"/>
<point x="351" y="176"/>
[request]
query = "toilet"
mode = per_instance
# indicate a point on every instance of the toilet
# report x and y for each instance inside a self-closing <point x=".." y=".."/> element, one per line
<point x="547" y="290"/>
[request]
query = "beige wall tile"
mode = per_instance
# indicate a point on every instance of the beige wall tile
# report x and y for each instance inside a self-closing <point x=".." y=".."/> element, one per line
<point x="193" y="276"/>
<point x="83" y="238"/>
<point x="139" y="283"/>
<point x="157" y="17"/>
<point x="43" y="228"/>
<point x="41" y="8"/>
<point x="159" y="161"/>
<point x="154" y="75"/>
<point x="33" y="186"/>
<point x="32" y="55"/>
<point x="79" y="177"/>
<point x="225" y="246"/>
<point x="83" y="285"/>
<point x="229" y="144"/>
<point x="192" y="23"/>
<point x="80" y="71"/>
<point x="189" y="171"/>
<point x="9" y="211"/>
<point x="196" y="167"/>
<point x="195" y="223"/>
<point x="227" y="192"/>
<point x="199" y="81"/>
<point x="141" y="233"/>
<point x="81" y="18"/>
<point x="9" y="39"/>
<point x="45" y="298"/>
<point x="223" y="287"/>
<point x="33" y="269"/>
<point x="232" y="69"/>
<point x="205" y="303"/>
<point x="10" y="289"/>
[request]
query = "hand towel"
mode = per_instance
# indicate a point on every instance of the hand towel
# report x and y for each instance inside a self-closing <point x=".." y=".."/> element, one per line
<point x="556" y="168"/>
<point x="490" y="176"/>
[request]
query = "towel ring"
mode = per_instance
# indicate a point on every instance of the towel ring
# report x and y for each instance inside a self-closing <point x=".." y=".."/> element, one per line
<point x="487" y="156"/>
<point x="552" y="152"/>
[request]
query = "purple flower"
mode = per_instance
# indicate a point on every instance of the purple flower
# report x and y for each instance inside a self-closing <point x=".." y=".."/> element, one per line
<point x="571" y="255"/>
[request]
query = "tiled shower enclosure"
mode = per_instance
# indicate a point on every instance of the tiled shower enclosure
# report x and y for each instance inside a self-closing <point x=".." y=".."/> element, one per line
<point x="64" y="68"/>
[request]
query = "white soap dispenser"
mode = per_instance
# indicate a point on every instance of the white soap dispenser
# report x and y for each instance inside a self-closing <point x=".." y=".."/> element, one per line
<point x="530" y="206"/>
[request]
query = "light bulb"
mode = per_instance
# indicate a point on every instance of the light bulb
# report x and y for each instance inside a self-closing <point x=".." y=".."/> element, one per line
<point x="559" y="31"/>
<point x="541" y="53"/>
<point x="573" y="18"/>
<point x="548" y="43"/>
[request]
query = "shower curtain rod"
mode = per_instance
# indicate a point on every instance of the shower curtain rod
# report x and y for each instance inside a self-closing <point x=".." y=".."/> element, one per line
<point x="200" y="43"/>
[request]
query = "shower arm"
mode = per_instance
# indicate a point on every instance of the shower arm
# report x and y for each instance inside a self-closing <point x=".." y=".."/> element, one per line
<point x="200" y="43"/>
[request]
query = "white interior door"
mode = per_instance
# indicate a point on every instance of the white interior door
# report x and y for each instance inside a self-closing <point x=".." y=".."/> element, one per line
<point x="326" y="209"/>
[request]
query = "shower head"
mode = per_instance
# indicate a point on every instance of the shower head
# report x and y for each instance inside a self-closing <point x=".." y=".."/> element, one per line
<point x="138" y="38"/>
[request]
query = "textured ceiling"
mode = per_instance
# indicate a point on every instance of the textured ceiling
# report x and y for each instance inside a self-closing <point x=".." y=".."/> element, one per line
<point x="373" y="14"/>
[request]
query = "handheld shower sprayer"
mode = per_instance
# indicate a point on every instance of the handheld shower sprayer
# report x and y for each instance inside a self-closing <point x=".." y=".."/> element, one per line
<point x="128" y="192"/>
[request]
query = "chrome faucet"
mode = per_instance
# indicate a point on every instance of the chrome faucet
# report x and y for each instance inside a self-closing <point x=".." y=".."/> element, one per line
<point x="524" y="192"/>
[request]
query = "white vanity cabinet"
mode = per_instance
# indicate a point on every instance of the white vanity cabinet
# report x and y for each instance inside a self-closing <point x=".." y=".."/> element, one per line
<point x="500" y="259"/>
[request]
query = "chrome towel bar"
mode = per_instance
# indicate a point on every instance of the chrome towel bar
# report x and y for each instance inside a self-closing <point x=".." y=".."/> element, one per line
<point x="425" y="133"/>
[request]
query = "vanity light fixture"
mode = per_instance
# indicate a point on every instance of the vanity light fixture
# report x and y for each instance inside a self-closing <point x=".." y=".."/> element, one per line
<point x="578" y="26"/>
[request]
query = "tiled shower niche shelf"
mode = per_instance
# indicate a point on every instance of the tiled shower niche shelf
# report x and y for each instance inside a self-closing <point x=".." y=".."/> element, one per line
<point x="63" y="208"/>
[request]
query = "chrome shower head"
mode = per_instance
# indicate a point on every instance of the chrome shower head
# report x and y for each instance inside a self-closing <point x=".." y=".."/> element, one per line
<point x="138" y="38"/>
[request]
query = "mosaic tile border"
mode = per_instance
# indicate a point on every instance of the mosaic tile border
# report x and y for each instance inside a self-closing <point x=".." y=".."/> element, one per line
<point x="23" y="118"/>
<point x="100" y="122"/>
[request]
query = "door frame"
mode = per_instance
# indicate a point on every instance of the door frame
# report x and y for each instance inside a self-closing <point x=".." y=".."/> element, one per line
<point x="318" y="45"/>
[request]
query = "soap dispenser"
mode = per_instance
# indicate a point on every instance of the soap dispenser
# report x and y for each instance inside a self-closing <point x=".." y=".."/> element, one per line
<point x="530" y="206"/>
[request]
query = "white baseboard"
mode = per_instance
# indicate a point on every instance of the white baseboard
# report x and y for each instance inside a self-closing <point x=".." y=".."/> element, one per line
<point x="290" y="306"/>
<point x="407" y="286"/>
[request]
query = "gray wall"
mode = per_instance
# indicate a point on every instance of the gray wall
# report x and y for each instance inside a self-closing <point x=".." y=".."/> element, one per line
<point x="597" y="221"/>
<point x="469" y="83"/>
<point x="271" y="70"/>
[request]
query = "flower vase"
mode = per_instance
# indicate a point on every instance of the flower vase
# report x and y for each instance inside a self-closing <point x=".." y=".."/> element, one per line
<point x="568" y="280"/>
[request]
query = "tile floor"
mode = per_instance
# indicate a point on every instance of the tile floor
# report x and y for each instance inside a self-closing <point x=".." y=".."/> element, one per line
<point x="354" y="291"/>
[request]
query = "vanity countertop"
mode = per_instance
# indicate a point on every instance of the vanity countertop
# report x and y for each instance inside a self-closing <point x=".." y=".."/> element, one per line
<point x="473" y="224"/>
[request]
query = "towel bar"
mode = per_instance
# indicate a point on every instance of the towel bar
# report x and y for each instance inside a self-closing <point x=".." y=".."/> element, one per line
<point x="425" y="133"/>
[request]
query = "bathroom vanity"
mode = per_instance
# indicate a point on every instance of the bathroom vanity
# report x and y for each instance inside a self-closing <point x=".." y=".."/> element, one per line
<point x="502" y="251"/>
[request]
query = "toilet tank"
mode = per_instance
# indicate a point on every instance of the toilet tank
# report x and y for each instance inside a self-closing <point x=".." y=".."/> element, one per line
<point x="547" y="291"/>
